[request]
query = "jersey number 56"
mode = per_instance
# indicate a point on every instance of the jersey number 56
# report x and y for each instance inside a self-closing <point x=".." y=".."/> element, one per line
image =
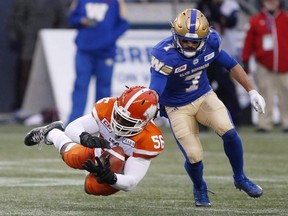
<point x="159" y="141"/>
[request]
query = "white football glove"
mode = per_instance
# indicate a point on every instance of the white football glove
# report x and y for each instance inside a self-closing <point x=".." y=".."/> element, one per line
<point x="257" y="101"/>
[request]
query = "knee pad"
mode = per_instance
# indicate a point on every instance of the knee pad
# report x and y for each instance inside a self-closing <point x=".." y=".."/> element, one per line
<point x="77" y="155"/>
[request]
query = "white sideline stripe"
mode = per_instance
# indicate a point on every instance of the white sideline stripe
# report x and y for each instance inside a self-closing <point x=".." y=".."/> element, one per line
<point x="43" y="182"/>
<point x="30" y="161"/>
<point x="230" y="178"/>
<point x="38" y="182"/>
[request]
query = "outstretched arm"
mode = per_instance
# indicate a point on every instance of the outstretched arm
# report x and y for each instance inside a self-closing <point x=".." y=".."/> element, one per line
<point x="134" y="171"/>
<point x="85" y="123"/>
<point x="238" y="73"/>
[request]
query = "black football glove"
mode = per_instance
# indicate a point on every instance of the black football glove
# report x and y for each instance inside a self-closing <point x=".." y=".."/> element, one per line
<point x="90" y="141"/>
<point x="102" y="172"/>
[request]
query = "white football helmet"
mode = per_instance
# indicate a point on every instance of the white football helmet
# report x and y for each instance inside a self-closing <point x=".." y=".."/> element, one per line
<point x="190" y="25"/>
<point x="133" y="110"/>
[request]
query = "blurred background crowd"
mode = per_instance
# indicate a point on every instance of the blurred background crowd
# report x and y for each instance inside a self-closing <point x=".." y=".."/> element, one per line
<point x="21" y="20"/>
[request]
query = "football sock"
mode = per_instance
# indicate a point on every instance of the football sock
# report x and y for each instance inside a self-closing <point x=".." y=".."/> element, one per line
<point x="234" y="151"/>
<point x="58" y="138"/>
<point x="195" y="172"/>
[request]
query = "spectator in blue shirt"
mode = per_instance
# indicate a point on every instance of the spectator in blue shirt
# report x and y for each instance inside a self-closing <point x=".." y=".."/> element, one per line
<point x="100" y="23"/>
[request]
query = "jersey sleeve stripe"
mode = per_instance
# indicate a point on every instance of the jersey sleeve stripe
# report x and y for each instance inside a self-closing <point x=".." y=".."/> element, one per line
<point x="94" y="113"/>
<point x="116" y="154"/>
<point x="145" y="152"/>
<point x="162" y="72"/>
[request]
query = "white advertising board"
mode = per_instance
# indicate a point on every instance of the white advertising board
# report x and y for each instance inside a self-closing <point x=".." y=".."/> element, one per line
<point x="52" y="74"/>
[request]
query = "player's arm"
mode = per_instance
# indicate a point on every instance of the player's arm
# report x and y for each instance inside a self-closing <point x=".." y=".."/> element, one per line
<point x="237" y="72"/>
<point x="235" y="69"/>
<point x="134" y="171"/>
<point x="159" y="75"/>
<point x="74" y="18"/>
<point x="257" y="101"/>
<point x="85" y="123"/>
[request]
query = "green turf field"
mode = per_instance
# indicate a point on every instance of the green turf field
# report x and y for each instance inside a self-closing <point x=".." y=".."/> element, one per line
<point x="37" y="182"/>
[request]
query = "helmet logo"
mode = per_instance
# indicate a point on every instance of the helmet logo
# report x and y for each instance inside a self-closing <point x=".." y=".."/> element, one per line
<point x="150" y="112"/>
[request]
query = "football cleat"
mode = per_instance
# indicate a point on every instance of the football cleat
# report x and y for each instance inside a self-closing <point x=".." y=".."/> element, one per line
<point x="249" y="187"/>
<point x="201" y="197"/>
<point x="36" y="135"/>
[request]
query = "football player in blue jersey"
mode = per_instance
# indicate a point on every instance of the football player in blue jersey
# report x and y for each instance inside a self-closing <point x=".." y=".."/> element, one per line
<point x="99" y="23"/>
<point x="178" y="75"/>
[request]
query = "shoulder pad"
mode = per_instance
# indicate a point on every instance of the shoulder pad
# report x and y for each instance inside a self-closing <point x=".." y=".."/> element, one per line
<point x="149" y="143"/>
<point x="214" y="40"/>
<point x="162" y="60"/>
<point x="103" y="108"/>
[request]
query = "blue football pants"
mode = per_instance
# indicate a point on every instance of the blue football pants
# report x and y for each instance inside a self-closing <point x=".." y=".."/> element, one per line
<point x="88" y="65"/>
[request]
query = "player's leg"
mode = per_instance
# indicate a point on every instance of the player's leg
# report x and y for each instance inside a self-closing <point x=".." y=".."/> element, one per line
<point x="214" y="114"/>
<point x="92" y="186"/>
<point x="83" y="62"/>
<point x="74" y="155"/>
<point x="186" y="132"/>
<point x="103" y="71"/>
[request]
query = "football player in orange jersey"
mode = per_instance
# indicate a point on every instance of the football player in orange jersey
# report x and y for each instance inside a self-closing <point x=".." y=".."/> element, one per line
<point x="126" y="122"/>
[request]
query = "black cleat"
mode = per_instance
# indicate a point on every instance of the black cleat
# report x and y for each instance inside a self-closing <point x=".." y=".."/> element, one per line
<point x="36" y="135"/>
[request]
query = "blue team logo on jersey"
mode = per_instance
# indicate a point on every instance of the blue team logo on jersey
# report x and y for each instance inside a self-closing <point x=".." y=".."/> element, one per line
<point x="181" y="68"/>
<point x="209" y="56"/>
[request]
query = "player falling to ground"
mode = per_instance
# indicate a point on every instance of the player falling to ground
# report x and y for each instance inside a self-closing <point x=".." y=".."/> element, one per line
<point x="125" y="122"/>
<point x="178" y="75"/>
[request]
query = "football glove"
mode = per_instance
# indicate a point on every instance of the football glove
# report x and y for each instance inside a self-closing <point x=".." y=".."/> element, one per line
<point x="90" y="141"/>
<point x="102" y="172"/>
<point x="257" y="101"/>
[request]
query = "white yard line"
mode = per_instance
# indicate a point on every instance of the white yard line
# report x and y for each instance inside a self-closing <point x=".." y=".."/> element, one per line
<point x="38" y="182"/>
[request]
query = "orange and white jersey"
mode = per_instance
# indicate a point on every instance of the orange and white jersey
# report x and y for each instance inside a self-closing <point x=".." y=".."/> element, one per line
<point x="147" y="144"/>
<point x="139" y="149"/>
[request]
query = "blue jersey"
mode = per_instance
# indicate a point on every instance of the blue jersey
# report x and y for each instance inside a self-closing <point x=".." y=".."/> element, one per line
<point x="109" y="26"/>
<point x="179" y="80"/>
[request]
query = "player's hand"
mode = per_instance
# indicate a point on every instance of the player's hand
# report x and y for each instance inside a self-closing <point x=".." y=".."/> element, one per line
<point x="257" y="101"/>
<point x="102" y="172"/>
<point x="86" y="22"/>
<point x="90" y="141"/>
